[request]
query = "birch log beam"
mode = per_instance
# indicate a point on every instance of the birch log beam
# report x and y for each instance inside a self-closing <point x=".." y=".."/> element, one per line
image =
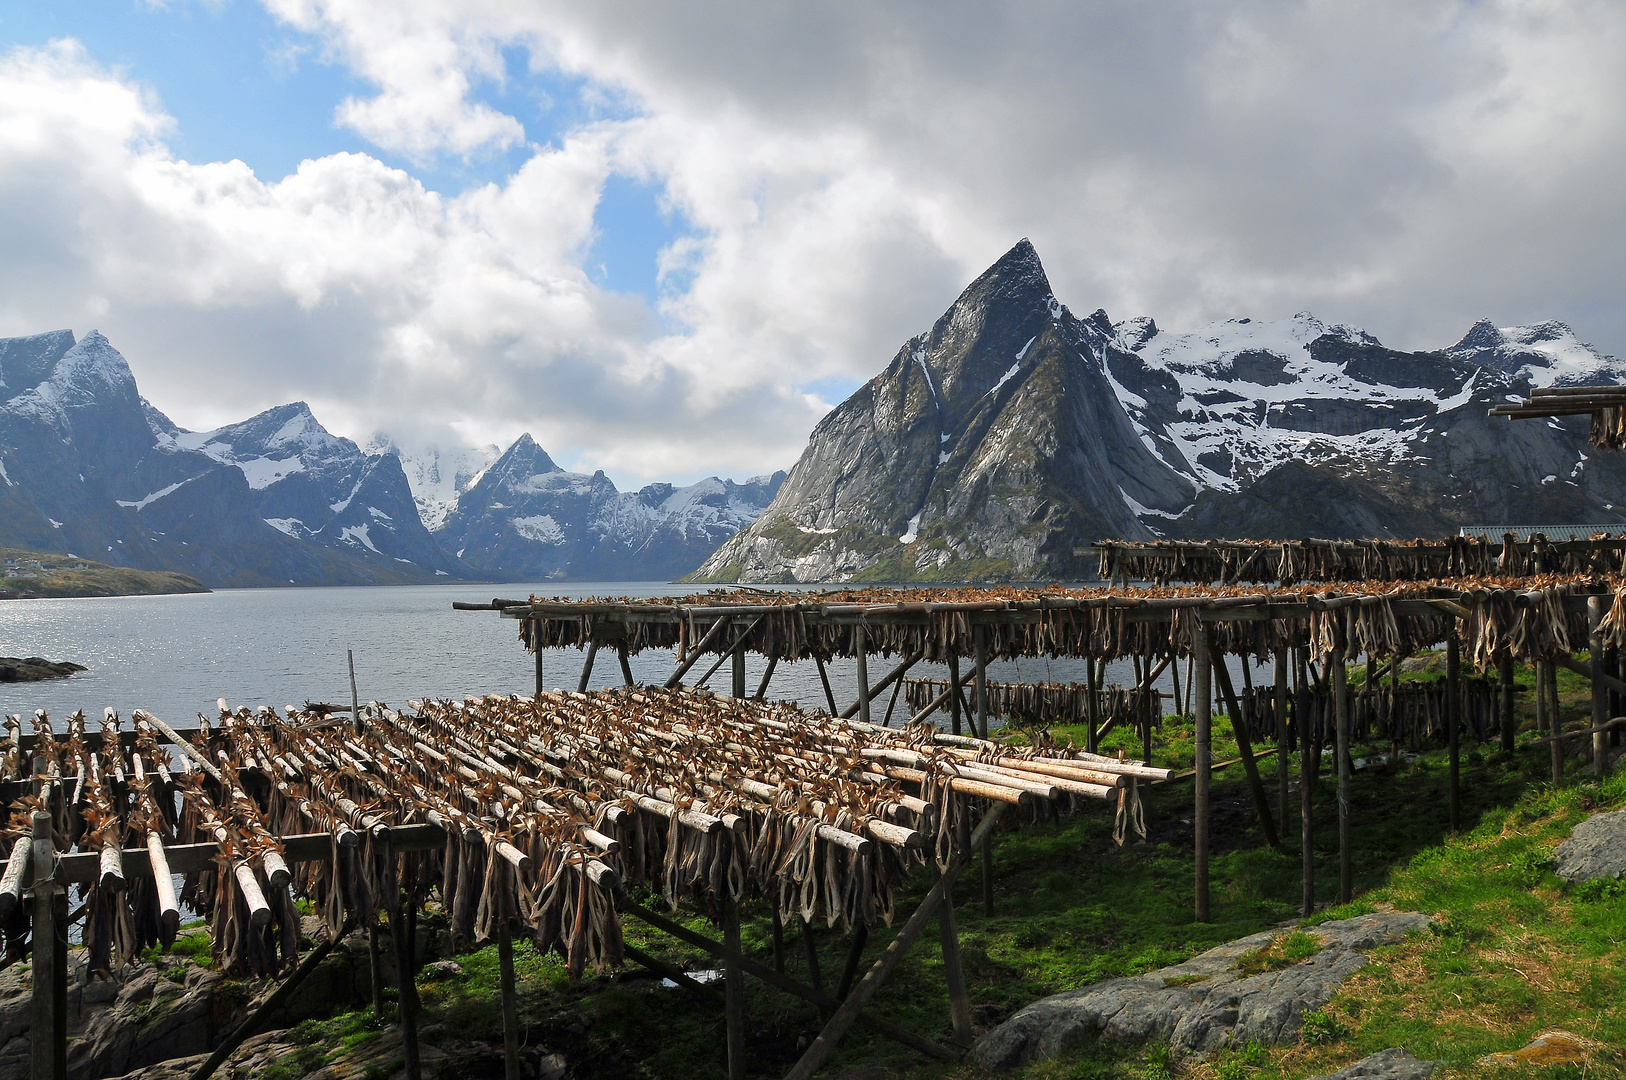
<point x="169" y="908"/>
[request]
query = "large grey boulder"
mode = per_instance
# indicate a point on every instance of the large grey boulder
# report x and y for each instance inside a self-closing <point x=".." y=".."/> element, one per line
<point x="1394" y="1064"/>
<point x="1596" y="849"/>
<point x="1198" y="1006"/>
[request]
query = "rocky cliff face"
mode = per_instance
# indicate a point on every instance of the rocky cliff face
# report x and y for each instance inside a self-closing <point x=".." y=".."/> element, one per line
<point x="1013" y="434"/>
<point x="536" y="521"/>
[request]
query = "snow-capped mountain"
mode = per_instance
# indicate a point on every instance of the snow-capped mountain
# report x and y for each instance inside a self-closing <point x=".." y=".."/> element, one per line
<point x="87" y="466"/>
<point x="313" y="485"/>
<point x="535" y="520"/>
<point x="437" y="475"/>
<point x="1012" y="434"/>
<point x="1545" y="353"/>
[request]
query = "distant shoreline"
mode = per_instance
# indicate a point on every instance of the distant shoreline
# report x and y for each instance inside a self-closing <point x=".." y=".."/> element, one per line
<point x="45" y="575"/>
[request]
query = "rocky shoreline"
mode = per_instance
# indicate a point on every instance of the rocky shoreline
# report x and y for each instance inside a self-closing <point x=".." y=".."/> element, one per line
<point x="36" y="669"/>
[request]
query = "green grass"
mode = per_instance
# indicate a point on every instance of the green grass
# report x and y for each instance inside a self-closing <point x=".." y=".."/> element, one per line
<point x="26" y="574"/>
<point x="1284" y="951"/>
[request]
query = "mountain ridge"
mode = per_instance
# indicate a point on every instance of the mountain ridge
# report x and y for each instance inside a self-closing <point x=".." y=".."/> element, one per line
<point x="87" y="464"/>
<point x="1057" y="431"/>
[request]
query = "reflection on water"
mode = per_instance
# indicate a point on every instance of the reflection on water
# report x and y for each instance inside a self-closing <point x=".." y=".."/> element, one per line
<point x="174" y="655"/>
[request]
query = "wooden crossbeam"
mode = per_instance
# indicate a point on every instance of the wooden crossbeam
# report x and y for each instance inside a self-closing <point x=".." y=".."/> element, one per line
<point x="789" y="985"/>
<point x="83" y="868"/>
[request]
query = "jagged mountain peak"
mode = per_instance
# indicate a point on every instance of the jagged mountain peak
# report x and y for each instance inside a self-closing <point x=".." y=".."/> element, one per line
<point x="25" y="362"/>
<point x="91" y="368"/>
<point x="1547" y="353"/>
<point x="523" y="459"/>
<point x="529" y="516"/>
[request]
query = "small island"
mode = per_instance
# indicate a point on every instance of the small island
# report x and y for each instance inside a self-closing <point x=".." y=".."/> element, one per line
<point x="28" y="575"/>
<point x="35" y="669"/>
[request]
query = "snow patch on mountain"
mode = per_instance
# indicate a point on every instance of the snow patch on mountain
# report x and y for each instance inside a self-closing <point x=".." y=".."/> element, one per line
<point x="540" y="528"/>
<point x="437" y="474"/>
<point x="148" y="500"/>
<point x="1546" y="353"/>
<point x="1243" y="385"/>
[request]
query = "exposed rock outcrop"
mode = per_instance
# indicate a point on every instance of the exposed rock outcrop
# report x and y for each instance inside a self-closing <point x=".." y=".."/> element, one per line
<point x="1596" y="849"/>
<point x="1198" y="1006"/>
<point x="1394" y="1064"/>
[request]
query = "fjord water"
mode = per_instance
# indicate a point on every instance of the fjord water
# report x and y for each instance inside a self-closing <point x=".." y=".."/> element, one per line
<point x="175" y="655"/>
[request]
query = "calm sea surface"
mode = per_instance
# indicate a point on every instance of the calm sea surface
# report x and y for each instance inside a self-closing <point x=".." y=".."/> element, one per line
<point x="175" y="655"/>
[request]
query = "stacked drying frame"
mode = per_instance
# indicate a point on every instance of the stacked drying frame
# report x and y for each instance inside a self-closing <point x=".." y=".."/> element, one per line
<point x="1537" y="618"/>
<point x="524" y="814"/>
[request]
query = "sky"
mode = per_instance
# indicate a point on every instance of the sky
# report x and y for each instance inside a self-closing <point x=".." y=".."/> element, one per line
<point x="665" y="239"/>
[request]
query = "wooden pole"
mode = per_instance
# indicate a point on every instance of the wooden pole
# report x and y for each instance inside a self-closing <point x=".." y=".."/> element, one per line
<point x="694" y="653"/>
<point x="406" y="1004"/>
<point x="736" y="653"/>
<point x="1090" y="706"/>
<point x="1600" y="703"/>
<point x="812" y="949"/>
<point x="1203" y="694"/>
<point x="861" y="647"/>
<point x="355" y="703"/>
<point x="954" y="692"/>
<point x="1174" y="675"/>
<point x="375" y="970"/>
<point x="953" y="971"/>
<point x="669" y="971"/>
<point x="817" y="998"/>
<point x="248" y="1028"/>
<point x="510" y="1006"/>
<point x="987" y="852"/>
<point x="1279" y="683"/>
<point x="1244" y="746"/>
<point x="1309" y="751"/>
<point x="540" y="687"/>
<point x="855" y="953"/>
<point x="893" y="678"/>
<point x="892" y="703"/>
<point x="1453" y="724"/>
<point x="739" y="673"/>
<point x="626" y="664"/>
<point x="1340" y="699"/>
<point x="767" y="674"/>
<point x="587" y="667"/>
<point x="878" y="973"/>
<point x="979" y="635"/>
<point x="1510" y="721"/>
<point x="1617" y="700"/>
<point x="824" y="677"/>
<point x="778" y="941"/>
<point x="48" y="1053"/>
<point x="1146" y="699"/>
<point x="1547" y="714"/>
<point x="733" y="989"/>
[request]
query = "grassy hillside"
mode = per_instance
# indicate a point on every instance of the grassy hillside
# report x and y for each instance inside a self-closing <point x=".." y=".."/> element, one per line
<point x="29" y="574"/>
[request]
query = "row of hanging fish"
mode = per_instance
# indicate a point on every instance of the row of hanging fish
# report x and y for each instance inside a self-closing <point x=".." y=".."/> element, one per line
<point x="1293" y="562"/>
<point x="1526" y="617"/>
<point x="550" y="807"/>
<point x="1412" y="714"/>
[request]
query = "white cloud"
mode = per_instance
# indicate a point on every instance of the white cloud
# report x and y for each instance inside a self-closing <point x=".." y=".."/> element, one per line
<point x="1404" y="166"/>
